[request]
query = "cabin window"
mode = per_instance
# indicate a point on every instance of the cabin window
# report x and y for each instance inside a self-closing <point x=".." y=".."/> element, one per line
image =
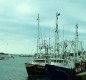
<point x="60" y="61"/>
<point x="54" y="60"/>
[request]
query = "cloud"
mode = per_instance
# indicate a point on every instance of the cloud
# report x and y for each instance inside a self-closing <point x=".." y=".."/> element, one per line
<point x="18" y="21"/>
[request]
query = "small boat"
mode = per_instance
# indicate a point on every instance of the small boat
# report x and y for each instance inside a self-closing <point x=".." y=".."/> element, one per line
<point x="4" y="56"/>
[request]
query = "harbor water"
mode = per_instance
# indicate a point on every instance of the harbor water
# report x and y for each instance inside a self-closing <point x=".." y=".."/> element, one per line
<point x="14" y="68"/>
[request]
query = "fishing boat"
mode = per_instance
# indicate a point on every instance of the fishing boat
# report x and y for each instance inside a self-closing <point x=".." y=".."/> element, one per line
<point x="67" y="64"/>
<point x="41" y="57"/>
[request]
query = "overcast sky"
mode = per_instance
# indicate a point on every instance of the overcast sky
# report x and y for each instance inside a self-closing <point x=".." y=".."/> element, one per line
<point x="18" y="22"/>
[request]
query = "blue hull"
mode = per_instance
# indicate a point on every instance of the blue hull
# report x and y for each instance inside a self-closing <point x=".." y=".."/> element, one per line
<point x="59" y="73"/>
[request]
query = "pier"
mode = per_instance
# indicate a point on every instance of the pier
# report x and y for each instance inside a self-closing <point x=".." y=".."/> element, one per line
<point x="81" y="76"/>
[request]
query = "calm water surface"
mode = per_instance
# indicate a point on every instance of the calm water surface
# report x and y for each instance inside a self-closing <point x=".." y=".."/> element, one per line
<point x="14" y="69"/>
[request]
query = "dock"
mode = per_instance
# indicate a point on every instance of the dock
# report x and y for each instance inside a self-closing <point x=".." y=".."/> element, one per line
<point x="81" y="76"/>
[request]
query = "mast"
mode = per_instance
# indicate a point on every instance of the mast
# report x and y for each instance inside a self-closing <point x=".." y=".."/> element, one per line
<point x="63" y="40"/>
<point x="49" y="39"/>
<point x="57" y="35"/>
<point x="38" y="36"/>
<point x="81" y="48"/>
<point x="76" y="41"/>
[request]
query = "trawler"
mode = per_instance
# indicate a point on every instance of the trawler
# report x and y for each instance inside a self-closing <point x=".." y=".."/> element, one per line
<point x="69" y="59"/>
<point x="41" y="57"/>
